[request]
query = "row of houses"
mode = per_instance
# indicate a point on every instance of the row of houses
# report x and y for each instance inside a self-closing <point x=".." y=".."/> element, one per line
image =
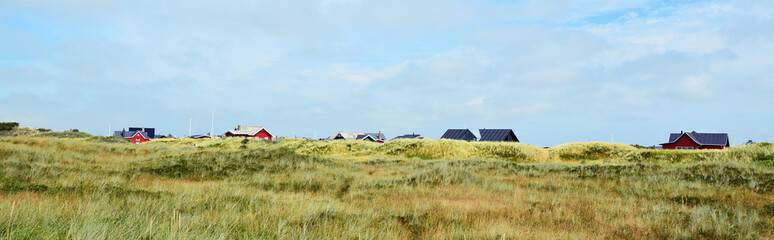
<point x="683" y="140"/>
<point x="139" y="134"/>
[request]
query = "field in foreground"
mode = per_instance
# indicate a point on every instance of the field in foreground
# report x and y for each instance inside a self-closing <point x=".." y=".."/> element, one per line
<point x="96" y="188"/>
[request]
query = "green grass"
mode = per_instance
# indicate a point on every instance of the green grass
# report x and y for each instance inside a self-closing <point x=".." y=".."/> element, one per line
<point x="99" y="188"/>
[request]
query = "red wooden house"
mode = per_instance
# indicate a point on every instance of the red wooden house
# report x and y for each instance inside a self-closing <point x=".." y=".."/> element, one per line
<point x="694" y="140"/>
<point x="250" y="132"/>
<point x="133" y="136"/>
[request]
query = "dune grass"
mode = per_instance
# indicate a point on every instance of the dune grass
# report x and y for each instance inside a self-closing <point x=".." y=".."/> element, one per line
<point x="97" y="188"/>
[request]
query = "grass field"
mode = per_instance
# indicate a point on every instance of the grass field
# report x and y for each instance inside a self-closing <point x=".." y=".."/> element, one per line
<point x="73" y="186"/>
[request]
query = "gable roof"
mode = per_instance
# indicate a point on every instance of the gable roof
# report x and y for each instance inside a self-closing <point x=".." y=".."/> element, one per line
<point x="496" y="135"/>
<point x="712" y="139"/>
<point x="357" y="136"/>
<point x="459" y="134"/>
<point x="408" y="136"/>
<point x="364" y="137"/>
<point x="376" y="136"/>
<point x="200" y="136"/>
<point x="346" y="135"/>
<point x="247" y="130"/>
<point x="151" y="132"/>
<point x="129" y="134"/>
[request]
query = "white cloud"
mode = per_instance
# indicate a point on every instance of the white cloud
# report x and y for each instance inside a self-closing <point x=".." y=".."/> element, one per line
<point x="696" y="87"/>
<point x="418" y="63"/>
<point x="476" y="102"/>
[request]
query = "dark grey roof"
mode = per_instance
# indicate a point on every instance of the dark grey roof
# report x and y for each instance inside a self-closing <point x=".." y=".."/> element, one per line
<point x="148" y="131"/>
<point x="200" y="136"/>
<point x="376" y="136"/>
<point x="128" y="134"/>
<point x="408" y="136"/>
<point x="498" y="135"/>
<point x="459" y="134"/>
<point x="715" y="139"/>
<point x="364" y="136"/>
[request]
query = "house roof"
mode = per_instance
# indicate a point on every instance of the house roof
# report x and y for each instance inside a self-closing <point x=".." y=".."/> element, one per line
<point x="408" y="136"/>
<point x="457" y="134"/>
<point x="357" y="136"/>
<point x="713" y="139"/>
<point x="496" y="135"/>
<point x="364" y="136"/>
<point x="247" y="130"/>
<point x="346" y="135"/>
<point x="200" y="136"/>
<point x="376" y="136"/>
<point x="151" y="132"/>
<point x="129" y="134"/>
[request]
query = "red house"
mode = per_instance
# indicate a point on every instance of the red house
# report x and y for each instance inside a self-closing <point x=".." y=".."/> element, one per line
<point x="250" y="132"/>
<point x="694" y="140"/>
<point x="133" y="136"/>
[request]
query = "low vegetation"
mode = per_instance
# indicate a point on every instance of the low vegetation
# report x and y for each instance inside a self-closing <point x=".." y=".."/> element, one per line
<point x="61" y="186"/>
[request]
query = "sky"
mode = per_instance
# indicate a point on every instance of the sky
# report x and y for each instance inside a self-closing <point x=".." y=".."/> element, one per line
<point x="553" y="71"/>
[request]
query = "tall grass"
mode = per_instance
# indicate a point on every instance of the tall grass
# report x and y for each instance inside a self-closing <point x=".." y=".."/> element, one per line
<point x="87" y="188"/>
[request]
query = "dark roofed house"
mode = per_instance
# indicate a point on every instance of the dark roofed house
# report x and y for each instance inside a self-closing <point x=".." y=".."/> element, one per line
<point x="408" y="136"/>
<point x="378" y="137"/>
<point x="497" y="135"/>
<point x="459" y="134"/>
<point x="694" y="140"/>
<point x="365" y="137"/>
<point x="151" y="132"/>
<point x="373" y="137"/>
<point x="133" y="136"/>
<point x="200" y="136"/>
<point x="168" y="136"/>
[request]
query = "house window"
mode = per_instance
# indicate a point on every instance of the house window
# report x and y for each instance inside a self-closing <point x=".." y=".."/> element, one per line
<point x="685" y="148"/>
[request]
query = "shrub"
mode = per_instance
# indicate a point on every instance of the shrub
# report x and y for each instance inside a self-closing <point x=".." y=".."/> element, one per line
<point x="8" y="126"/>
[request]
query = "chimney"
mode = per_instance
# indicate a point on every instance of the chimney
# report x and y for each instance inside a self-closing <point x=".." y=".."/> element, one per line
<point x="143" y="129"/>
<point x="238" y="127"/>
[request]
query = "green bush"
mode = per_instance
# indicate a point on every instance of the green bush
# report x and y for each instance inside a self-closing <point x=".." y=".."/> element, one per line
<point x="8" y="126"/>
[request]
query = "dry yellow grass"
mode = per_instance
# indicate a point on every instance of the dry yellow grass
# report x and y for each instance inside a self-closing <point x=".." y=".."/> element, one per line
<point x="224" y="188"/>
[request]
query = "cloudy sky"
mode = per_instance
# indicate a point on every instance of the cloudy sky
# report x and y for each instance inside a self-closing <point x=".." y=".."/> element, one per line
<point x="554" y="71"/>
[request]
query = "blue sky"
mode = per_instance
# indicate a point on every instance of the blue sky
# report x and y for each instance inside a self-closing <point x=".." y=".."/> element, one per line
<point x="554" y="71"/>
